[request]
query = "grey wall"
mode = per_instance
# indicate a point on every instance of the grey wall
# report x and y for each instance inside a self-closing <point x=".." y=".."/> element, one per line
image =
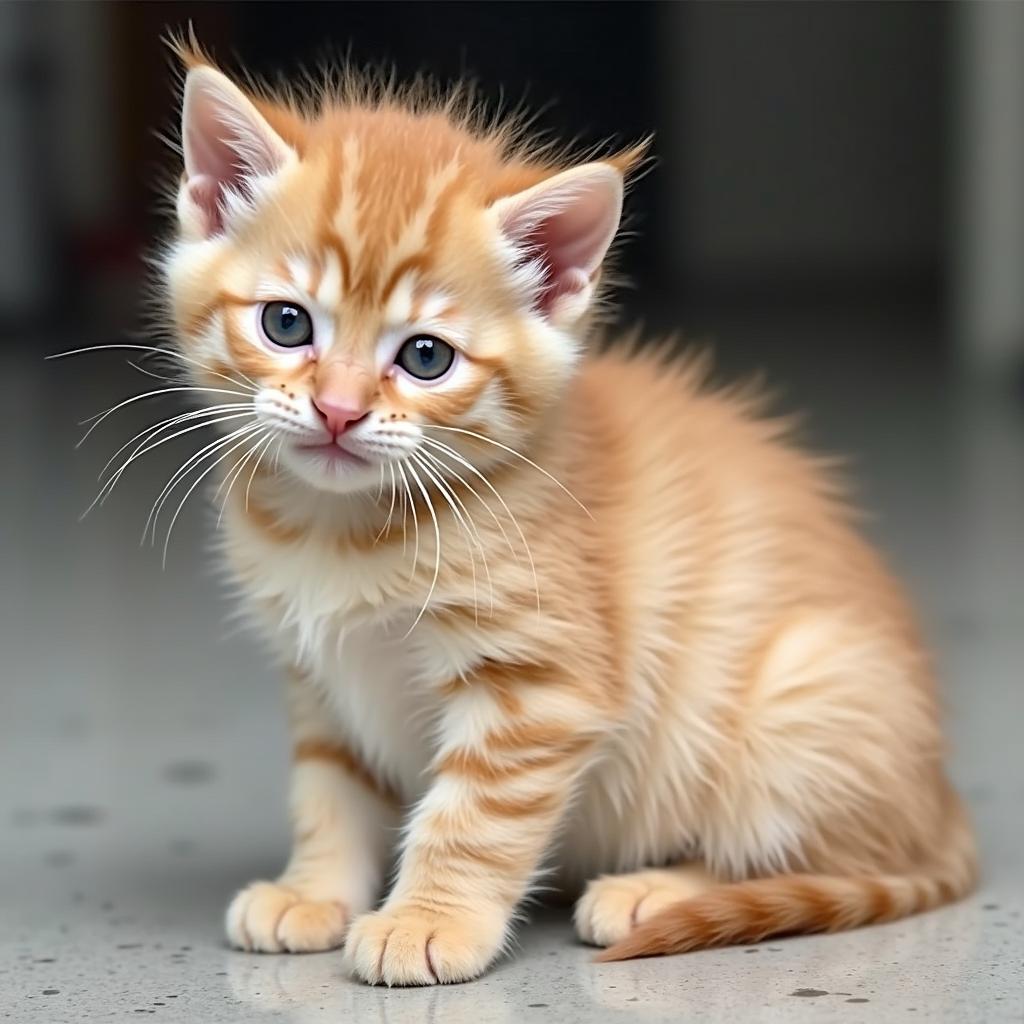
<point x="808" y="141"/>
<point x="987" y="254"/>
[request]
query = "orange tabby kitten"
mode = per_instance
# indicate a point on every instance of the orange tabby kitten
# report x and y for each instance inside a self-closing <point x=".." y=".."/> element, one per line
<point x="558" y="615"/>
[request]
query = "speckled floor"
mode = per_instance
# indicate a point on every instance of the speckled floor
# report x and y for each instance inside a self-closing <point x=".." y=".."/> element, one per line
<point x="143" y="753"/>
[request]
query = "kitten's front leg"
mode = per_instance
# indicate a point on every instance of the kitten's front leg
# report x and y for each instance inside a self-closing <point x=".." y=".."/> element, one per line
<point x="502" y="782"/>
<point x="342" y="818"/>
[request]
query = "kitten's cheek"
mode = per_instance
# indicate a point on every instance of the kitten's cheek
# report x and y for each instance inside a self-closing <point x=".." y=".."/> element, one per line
<point x="403" y="944"/>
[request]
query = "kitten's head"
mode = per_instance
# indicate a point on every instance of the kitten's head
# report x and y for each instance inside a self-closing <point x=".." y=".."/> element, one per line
<point x="383" y="273"/>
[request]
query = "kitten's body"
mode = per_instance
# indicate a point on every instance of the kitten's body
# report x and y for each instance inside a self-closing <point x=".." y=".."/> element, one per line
<point x="654" y="646"/>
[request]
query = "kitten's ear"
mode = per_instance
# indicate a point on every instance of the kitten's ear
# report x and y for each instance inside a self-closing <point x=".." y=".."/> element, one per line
<point x="227" y="144"/>
<point x="564" y="226"/>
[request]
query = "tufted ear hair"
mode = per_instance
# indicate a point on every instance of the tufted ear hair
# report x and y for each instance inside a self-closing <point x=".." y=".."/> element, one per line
<point x="563" y="226"/>
<point x="227" y="144"/>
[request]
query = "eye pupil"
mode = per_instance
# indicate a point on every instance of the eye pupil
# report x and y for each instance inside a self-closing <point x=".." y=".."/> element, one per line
<point x="287" y="325"/>
<point x="425" y="357"/>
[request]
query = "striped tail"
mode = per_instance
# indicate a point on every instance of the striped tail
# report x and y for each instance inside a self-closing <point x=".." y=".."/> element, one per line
<point x="753" y="910"/>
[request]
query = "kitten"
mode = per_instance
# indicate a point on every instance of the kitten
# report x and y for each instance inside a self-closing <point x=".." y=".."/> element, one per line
<point x="547" y="614"/>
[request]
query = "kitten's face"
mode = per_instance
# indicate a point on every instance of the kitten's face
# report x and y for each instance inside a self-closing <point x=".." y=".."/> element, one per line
<point x="382" y="281"/>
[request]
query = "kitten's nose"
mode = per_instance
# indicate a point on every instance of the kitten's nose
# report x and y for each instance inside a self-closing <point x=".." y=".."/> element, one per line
<point x="338" y="416"/>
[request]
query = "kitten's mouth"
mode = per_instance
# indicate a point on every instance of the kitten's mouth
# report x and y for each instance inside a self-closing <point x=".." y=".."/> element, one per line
<point x="334" y="453"/>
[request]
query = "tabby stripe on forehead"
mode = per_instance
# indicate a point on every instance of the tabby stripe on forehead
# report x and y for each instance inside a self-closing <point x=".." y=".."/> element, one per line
<point x="336" y="754"/>
<point x="412" y="263"/>
<point x="333" y="243"/>
<point x="316" y="274"/>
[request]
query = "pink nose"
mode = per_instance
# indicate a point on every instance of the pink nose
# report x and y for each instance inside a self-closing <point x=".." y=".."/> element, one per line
<point x="337" y="416"/>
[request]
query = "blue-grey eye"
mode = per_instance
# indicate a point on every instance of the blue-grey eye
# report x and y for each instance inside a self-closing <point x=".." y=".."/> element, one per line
<point x="287" y="325"/>
<point x="425" y="357"/>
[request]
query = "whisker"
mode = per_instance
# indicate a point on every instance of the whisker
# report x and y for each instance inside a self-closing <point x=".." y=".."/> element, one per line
<point x="100" y="417"/>
<point x="415" y="522"/>
<point x="437" y="550"/>
<point x="441" y="469"/>
<point x="232" y="475"/>
<point x="108" y="487"/>
<point x="256" y="466"/>
<point x="432" y="478"/>
<point x="465" y="483"/>
<point x="405" y="509"/>
<point x="173" y="353"/>
<point x="451" y="453"/>
<point x="469" y="528"/>
<point x="168" y="424"/>
<point x="155" y="376"/>
<point x="387" y="523"/>
<point x="198" y="480"/>
<point x="518" y="455"/>
<point x="190" y="463"/>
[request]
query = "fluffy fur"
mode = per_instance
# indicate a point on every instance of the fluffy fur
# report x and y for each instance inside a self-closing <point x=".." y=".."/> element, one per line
<point x="563" y="617"/>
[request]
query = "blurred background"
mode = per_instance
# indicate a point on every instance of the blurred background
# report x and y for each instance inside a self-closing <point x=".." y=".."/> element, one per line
<point x="807" y="153"/>
<point x="837" y="200"/>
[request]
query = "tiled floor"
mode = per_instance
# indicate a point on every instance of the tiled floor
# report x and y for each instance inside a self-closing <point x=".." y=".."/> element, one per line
<point x="132" y="803"/>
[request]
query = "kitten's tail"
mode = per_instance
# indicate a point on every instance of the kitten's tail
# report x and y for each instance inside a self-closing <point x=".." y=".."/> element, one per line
<point x="753" y="910"/>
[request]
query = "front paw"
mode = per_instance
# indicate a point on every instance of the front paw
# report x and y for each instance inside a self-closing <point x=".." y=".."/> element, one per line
<point x="406" y="944"/>
<point x="269" y="918"/>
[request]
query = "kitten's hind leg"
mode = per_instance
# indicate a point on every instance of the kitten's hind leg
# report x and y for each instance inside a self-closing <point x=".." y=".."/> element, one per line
<point x="612" y="905"/>
<point x="342" y="820"/>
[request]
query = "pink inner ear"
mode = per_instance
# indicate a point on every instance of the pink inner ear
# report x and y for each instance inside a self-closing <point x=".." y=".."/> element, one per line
<point x="205" y="193"/>
<point x="214" y="154"/>
<point x="563" y="244"/>
<point x="564" y="228"/>
<point x="226" y="144"/>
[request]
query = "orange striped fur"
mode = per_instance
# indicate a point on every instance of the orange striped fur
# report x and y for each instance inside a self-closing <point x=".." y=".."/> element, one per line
<point x="557" y="613"/>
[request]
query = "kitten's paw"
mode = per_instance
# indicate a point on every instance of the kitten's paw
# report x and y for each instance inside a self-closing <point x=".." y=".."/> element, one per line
<point x="269" y="918"/>
<point x="404" y="944"/>
<point x="613" y="905"/>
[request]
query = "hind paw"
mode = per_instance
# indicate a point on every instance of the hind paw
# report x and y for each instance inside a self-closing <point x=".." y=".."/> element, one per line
<point x="612" y="905"/>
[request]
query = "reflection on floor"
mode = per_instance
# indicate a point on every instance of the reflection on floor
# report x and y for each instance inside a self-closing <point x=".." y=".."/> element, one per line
<point x="132" y="803"/>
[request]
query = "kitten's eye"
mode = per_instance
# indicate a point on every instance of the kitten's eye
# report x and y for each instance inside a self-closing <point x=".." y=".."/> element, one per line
<point x="286" y="324"/>
<point x="425" y="357"/>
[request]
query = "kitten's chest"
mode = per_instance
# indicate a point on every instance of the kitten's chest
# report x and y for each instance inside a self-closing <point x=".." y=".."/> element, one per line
<point x="373" y="684"/>
<point x="340" y="621"/>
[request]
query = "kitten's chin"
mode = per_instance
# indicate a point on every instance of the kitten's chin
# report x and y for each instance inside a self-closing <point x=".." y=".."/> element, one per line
<point x="330" y="473"/>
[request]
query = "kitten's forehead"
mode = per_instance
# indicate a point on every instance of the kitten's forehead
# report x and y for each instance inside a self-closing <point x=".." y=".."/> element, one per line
<point x="382" y="211"/>
<point x="410" y="296"/>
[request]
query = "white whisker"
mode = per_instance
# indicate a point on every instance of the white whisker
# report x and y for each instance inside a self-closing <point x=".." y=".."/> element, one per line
<point x="162" y="352"/>
<point x="169" y="424"/>
<point x="518" y="455"/>
<point x="198" y="480"/>
<point x="229" y="479"/>
<point x="256" y="465"/>
<point x="107" y="488"/>
<point x="469" y="487"/>
<point x="155" y="376"/>
<point x="467" y="525"/>
<point x="100" y="417"/>
<point x="405" y="510"/>
<point x="415" y="522"/>
<point x="386" y="528"/>
<point x="194" y="460"/>
<point x="451" y="453"/>
<point x="437" y="550"/>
